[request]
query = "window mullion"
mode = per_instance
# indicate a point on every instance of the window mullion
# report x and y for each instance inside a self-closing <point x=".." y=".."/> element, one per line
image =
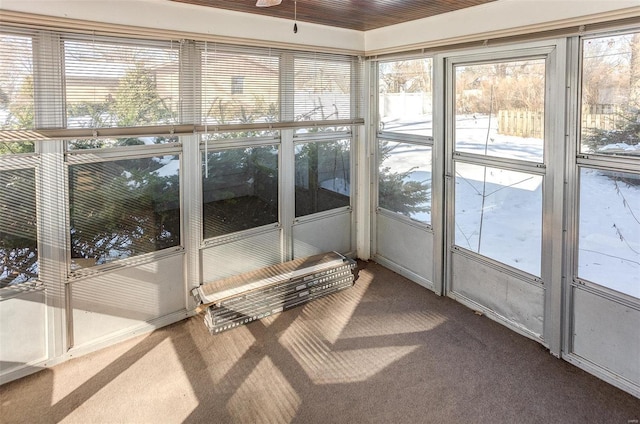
<point x="52" y="218"/>
<point x="287" y="165"/>
<point x="191" y="187"/>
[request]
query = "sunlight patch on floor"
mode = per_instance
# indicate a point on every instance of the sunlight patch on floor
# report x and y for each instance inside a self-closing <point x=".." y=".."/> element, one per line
<point x="78" y="371"/>
<point x="165" y="392"/>
<point x="324" y="365"/>
<point x="225" y="353"/>
<point x="337" y="310"/>
<point x="402" y="323"/>
<point x="265" y="396"/>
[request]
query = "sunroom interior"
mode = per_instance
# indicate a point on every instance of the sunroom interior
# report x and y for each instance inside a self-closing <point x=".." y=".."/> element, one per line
<point x="490" y="155"/>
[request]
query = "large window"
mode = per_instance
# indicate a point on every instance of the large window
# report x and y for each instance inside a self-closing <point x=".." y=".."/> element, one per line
<point x="610" y="123"/>
<point x="498" y="143"/>
<point x="18" y="241"/>
<point x="404" y="179"/>
<point x="500" y="109"/>
<point x="498" y="214"/>
<point x="609" y="185"/>
<point x="239" y="189"/>
<point x="323" y="89"/>
<point x="239" y="87"/>
<point x="405" y="138"/>
<point x="122" y="106"/>
<point x="609" y="243"/>
<point x="405" y="96"/>
<point x="18" y="225"/>
<point x="123" y="208"/>
<point x="16" y="83"/>
<point x="119" y="84"/>
<point x="323" y="176"/>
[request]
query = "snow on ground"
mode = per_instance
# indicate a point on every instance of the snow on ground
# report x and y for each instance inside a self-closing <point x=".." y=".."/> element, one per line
<point x="171" y="166"/>
<point x="415" y="159"/>
<point x="508" y="226"/>
<point x="418" y="125"/>
<point x="609" y="239"/>
<point x="620" y="147"/>
<point x="338" y="185"/>
<point x="498" y="213"/>
<point x="472" y="137"/>
<point x="502" y="218"/>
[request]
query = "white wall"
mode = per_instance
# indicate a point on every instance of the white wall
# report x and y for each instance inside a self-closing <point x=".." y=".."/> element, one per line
<point x="165" y="14"/>
<point x="499" y="18"/>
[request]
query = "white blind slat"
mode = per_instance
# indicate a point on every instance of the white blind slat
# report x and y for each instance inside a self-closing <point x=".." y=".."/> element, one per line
<point x="57" y="81"/>
<point x="16" y="81"/>
<point x="109" y="84"/>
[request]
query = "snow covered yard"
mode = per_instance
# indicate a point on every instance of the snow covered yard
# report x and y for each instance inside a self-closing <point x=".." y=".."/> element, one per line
<point x="498" y="212"/>
<point x="609" y="238"/>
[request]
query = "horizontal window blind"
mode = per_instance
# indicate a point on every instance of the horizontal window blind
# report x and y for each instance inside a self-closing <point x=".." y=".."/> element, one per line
<point x="323" y="88"/>
<point x="65" y="85"/>
<point x="119" y="83"/>
<point x="252" y="86"/>
<point x="239" y="87"/>
<point x="16" y="81"/>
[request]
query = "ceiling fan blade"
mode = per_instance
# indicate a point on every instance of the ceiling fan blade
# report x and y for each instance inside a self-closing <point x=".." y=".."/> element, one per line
<point x="268" y="3"/>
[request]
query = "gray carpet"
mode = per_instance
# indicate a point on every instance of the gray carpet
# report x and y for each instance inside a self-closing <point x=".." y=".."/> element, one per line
<point x="384" y="351"/>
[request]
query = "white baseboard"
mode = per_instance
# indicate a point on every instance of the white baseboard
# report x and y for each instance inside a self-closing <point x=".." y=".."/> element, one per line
<point x="387" y="263"/>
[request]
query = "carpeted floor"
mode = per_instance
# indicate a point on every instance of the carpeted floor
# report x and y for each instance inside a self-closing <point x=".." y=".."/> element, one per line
<point x="384" y="351"/>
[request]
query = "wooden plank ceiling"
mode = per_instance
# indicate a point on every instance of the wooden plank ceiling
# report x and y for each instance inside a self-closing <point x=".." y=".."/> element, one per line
<point x="361" y="15"/>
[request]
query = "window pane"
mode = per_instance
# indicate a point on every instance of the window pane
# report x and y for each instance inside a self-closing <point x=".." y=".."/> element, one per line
<point x="123" y="208"/>
<point x="609" y="242"/>
<point x="16" y="82"/>
<point x="498" y="214"/>
<point x="500" y="109"/>
<point x="322" y="89"/>
<point x="18" y="240"/>
<point x="106" y="143"/>
<point x="405" y="96"/>
<point x="120" y="85"/>
<point x="239" y="88"/>
<point x="611" y="95"/>
<point x="17" y="147"/>
<point x="239" y="189"/>
<point x="323" y="179"/>
<point x="404" y="179"/>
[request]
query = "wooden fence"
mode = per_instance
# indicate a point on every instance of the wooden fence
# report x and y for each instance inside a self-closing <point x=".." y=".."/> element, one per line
<point x="521" y="123"/>
<point x="530" y="123"/>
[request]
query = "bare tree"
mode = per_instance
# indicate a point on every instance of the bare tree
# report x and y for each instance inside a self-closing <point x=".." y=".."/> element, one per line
<point x="407" y="76"/>
<point x="634" y="74"/>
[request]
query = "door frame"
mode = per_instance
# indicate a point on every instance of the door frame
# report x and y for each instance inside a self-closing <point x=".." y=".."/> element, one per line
<point x="554" y="162"/>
